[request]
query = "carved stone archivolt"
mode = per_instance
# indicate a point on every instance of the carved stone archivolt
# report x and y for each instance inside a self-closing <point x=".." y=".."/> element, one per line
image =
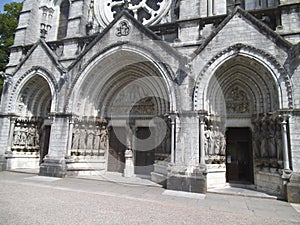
<point x="26" y="136"/>
<point x="267" y="141"/>
<point x="237" y="101"/>
<point x="89" y="137"/>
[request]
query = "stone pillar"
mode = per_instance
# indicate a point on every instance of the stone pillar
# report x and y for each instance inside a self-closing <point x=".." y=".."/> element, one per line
<point x="202" y="151"/>
<point x="286" y="162"/>
<point x="54" y="163"/>
<point x="71" y="126"/>
<point x="173" y="133"/>
<point x="4" y="136"/>
<point x="129" y="165"/>
<point x="11" y="133"/>
<point x="187" y="174"/>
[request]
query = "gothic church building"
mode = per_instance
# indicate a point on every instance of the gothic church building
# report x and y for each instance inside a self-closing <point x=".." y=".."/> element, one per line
<point x="191" y="94"/>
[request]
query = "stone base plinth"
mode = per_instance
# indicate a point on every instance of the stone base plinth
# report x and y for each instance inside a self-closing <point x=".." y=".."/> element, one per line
<point x="22" y="162"/>
<point x="216" y="175"/>
<point x="269" y="182"/>
<point x="194" y="183"/>
<point x="192" y="179"/>
<point x="53" y="167"/>
<point x="293" y="188"/>
<point x="3" y="163"/>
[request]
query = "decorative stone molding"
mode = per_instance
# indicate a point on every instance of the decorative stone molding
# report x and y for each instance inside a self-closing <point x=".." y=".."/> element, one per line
<point x="239" y="49"/>
<point x="147" y="12"/>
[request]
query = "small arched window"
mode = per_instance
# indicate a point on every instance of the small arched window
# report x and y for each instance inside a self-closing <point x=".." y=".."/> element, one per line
<point x="63" y="19"/>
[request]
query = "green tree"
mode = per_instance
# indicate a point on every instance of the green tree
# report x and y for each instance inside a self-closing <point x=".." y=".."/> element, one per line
<point x="8" y="25"/>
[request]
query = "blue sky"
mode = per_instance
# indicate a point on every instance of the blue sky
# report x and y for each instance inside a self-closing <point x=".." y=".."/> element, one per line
<point x="3" y="2"/>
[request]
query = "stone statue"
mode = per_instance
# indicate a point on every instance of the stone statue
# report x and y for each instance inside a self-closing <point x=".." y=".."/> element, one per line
<point x="31" y="135"/>
<point x="17" y="136"/>
<point x="264" y="140"/>
<point x="76" y="136"/>
<point x="82" y="139"/>
<point x="97" y="138"/>
<point x="103" y="137"/>
<point x="206" y="140"/>
<point x="23" y="137"/>
<point x="271" y="139"/>
<point x="211" y="145"/>
<point x="90" y="138"/>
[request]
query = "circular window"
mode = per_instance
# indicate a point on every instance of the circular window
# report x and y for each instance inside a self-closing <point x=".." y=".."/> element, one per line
<point x="148" y="12"/>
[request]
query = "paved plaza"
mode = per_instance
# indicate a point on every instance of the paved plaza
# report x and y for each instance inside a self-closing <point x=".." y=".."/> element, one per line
<point x="31" y="199"/>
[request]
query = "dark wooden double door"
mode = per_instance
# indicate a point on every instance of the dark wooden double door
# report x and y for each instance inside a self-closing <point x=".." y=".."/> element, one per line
<point x="239" y="156"/>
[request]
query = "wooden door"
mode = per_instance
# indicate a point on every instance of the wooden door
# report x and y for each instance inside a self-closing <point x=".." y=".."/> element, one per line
<point x="116" y="157"/>
<point x="144" y="159"/>
<point x="239" y="159"/>
<point x="45" y="139"/>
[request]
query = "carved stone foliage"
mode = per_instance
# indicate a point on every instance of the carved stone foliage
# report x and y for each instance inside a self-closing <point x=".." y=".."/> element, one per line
<point x="89" y="137"/>
<point x="267" y="141"/>
<point x="214" y="143"/>
<point x="237" y="101"/>
<point x="26" y="136"/>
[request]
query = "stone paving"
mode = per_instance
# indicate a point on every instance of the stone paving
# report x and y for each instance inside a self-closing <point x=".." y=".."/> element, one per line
<point x="31" y="199"/>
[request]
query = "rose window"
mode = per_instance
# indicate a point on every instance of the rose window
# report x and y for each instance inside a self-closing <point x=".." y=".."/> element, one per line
<point x="147" y="12"/>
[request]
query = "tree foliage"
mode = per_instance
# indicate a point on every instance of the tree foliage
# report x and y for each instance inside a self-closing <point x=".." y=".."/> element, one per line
<point x="8" y="25"/>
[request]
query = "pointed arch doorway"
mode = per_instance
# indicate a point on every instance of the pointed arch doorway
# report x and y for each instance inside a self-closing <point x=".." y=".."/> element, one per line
<point x="242" y="98"/>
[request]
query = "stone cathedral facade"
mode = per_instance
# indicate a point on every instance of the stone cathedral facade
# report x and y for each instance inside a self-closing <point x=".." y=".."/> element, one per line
<point x="191" y="94"/>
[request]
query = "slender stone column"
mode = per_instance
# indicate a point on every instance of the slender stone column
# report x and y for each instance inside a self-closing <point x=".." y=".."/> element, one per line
<point x="286" y="163"/>
<point x="71" y="126"/>
<point x="129" y="165"/>
<point x="202" y="151"/>
<point x="11" y="133"/>
<point x="173" y="131"/>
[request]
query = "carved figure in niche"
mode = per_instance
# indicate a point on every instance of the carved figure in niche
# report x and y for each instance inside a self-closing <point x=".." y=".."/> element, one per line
<point x="23" y="138"/>
<point x="76" y="137"/>
<point x="82" y="139"/>
<point x="90" y="137"/>
<point x="217" y="141"/>
<point x="206" y="140"/>
<point x="264" y="141"/>
<point x="17" y="136"/>
<point x="31" y="135"/>
<point x="97" y="138"/>
<point x="211" y="144"/>
<point x="123" y="29"/>
<point x="37" y="138"/>
<point x="103" y="137"/>
<point x="257" y="139"/>
<point x="271" y="139"/>
<point x="222" y="144"/>
<point x="278" y="138"/>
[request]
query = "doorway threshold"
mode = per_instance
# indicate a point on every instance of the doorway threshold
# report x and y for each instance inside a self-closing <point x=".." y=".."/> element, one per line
<point x="241" y="189"/>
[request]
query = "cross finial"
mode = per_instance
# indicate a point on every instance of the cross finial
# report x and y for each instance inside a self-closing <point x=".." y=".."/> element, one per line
<point x="126" y="4"/>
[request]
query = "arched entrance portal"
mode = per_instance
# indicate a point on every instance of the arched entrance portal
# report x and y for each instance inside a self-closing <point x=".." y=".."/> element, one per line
<point x="242" y="96"/>
<point x="127" y="96"/>
<point x="30" y="130"/>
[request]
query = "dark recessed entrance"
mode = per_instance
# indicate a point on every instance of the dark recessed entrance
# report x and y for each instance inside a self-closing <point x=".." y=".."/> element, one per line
<point x="144" y="159"/>
<point x="239" y="157"/>
<point x="117" y="140"/>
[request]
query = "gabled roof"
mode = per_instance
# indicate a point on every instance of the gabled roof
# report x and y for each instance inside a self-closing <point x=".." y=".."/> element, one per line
<point x="263" y="28"/>
<point x="49" y="52"/>
<point x="145" y="30"/>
